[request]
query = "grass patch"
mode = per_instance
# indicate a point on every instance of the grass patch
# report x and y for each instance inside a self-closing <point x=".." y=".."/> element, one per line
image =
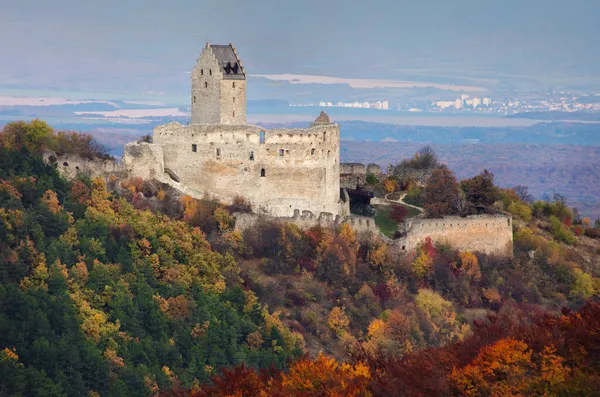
<point x="386" y="224"/>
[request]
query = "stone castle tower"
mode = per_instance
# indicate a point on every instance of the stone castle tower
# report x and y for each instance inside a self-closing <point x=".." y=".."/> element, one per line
<point x="219" y="87"/>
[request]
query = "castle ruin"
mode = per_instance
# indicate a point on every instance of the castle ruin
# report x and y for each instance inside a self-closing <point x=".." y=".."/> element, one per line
<point x="220" y="157"/>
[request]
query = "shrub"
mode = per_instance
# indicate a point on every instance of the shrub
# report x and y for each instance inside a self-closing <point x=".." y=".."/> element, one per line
<point x="398" y="213"/>
<point x="372" y="179"/>
<point x="240" y="204"/>
<point x="561" y="232"/>
<point x="415" y="197"/>
<point x="521" y="210"/>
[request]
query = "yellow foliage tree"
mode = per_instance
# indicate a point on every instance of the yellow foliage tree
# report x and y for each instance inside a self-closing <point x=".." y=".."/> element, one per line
<point x="470" y="265"/>
<point x="338" y="321"/>
<point x="313" y="378"/>
<point x="50" y="199"/>
<point x="508" y="368"/>
<point x="422" y="264"/>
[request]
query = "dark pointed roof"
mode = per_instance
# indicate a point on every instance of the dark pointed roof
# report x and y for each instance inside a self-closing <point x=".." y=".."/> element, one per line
<point x="230" y="63"/>
<point x="322" y="119"/>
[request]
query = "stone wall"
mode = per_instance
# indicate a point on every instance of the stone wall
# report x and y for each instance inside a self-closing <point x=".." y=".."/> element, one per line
<point x="352" y="174"/>
<point x="69" y="165"/>
<point x="306" y="219"/>
<point x="278" y="170"/>
<point x="406" y="173"/>
<point x="144" y="160"/>
<point x="374" y="169"/>
<point x="490" y="234"/>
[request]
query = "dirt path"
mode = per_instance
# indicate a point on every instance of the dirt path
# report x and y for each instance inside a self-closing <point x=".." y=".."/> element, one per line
<point x="400" y="201"/>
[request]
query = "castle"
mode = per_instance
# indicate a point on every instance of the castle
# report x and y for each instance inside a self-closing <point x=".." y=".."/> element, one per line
<point x="219" y="156"/>
<point x="289" y="175"/>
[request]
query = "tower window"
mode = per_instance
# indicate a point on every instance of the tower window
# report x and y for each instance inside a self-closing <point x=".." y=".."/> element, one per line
<point x="194" y="148"/>
<point x="252" y="156"/>
<point x="281" y="152"/>
<point x="262" y="137"/>
<point x="262" y="172"/>
<point x="206" y="84"/>
<point x="201" y="72"/>
<point x="233" y="85"/>
<point x="210" y="71"/>
<point x="313" y="152"/>
<point x="194" y="98"/>
<point x="218" y="152"/>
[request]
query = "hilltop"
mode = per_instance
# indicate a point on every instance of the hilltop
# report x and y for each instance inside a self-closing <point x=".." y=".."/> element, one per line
<point x="128" y="287"/>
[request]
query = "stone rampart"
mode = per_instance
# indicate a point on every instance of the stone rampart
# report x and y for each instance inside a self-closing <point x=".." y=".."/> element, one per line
<point x="489" y="234"/>
<point x="70" y="165"/>
<point x="306" y="219"/>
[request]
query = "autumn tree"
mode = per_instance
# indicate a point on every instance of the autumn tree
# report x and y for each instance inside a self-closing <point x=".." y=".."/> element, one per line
<point x="523" y="193"/>
<point x="442" y="195"/>
<point x="480" y="190"/>
<point x="398" y="213"/>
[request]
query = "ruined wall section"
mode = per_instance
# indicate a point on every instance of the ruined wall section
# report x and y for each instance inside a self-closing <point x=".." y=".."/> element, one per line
<point x="143" y="160"/>
<point x="352" y="174"/>
<point x="490" y="234"/>
<point x="70" y="165"/>
<point x="306" y="220"/>
<point x="278" y="170"/>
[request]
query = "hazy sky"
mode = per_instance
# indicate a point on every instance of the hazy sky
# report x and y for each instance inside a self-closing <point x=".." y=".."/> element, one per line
<point x="151" y="44"/>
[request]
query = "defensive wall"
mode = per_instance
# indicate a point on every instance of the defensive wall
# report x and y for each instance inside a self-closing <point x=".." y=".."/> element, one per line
<point x="306" y="219"/>
<point x="489" y="234"/>
<point x="69" y="165"/>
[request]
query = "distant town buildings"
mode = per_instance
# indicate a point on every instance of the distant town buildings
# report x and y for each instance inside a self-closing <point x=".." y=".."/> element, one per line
<point x="465" y="103"/>
<point x="379" y="105"/>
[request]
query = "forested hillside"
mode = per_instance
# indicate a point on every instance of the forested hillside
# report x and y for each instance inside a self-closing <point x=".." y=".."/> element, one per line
<point x="98" y="298"/>
<point x="125" y="287"/>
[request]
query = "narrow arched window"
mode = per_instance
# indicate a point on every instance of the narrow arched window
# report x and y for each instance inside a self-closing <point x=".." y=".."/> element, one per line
<point x="281" y="152"/>
<point x="262" y="172"/>
<point x="233" y="85"/>
<point x="233" y="99"/>
<point x="313" y="152"/>
<point x="201" y="72"/>
<point x="218" y="152"/>
<point x="194" y="98"/>
<point x="251" y="156"/>
<point x="206" y="84"/>
<point x="234" y="113"/>
<point x="210" y="71"/>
